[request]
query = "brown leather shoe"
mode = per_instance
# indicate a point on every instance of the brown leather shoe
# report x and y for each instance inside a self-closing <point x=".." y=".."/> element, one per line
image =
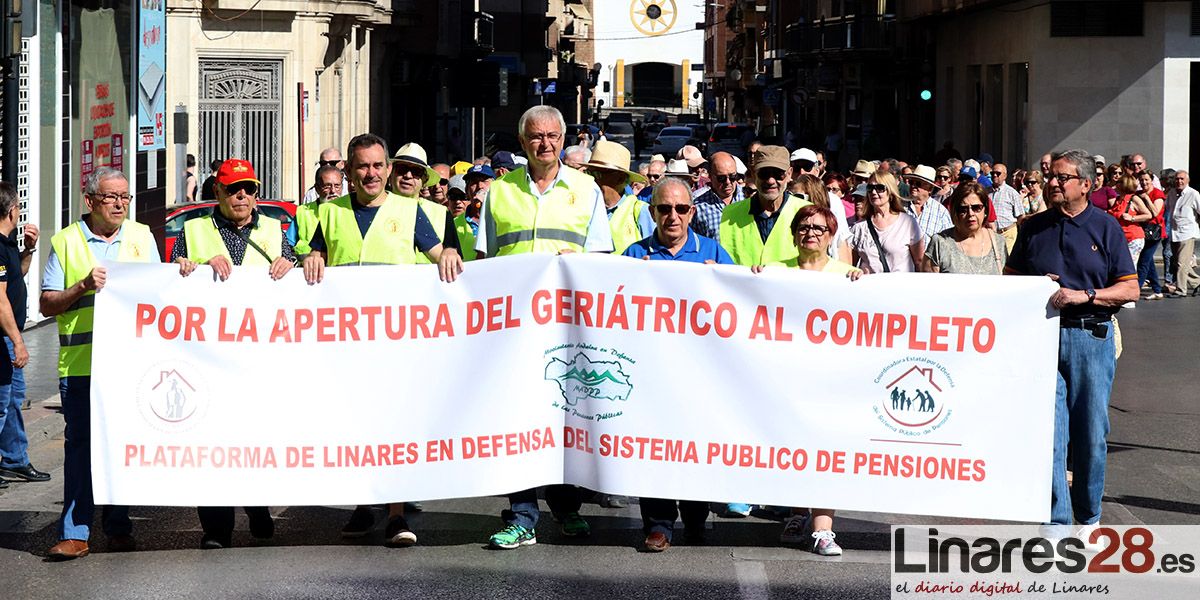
<point x="122" y="543"/>
<point x="68" y="549"/>
<point x="657" y="542"/>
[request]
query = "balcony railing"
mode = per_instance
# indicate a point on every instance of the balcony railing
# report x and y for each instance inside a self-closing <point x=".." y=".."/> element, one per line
<point x="842" y="34"/>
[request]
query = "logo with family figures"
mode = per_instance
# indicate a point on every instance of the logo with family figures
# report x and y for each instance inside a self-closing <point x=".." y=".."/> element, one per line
<point x="591" y="386"/>
<point x="172" y="396"/>
<point x="915" y="395"/>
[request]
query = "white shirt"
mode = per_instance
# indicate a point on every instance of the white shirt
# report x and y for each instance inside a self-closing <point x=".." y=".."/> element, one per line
<point x="599" y="234"/>
<point x="1185" y="211"/>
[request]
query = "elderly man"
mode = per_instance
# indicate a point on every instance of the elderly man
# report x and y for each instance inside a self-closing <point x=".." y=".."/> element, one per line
<point x="503" y="162"/>
<point x="757" y="230"/>
<point x="932" y="217"/>
<point x="14" y="264"/>
<point x="549" y="208"/>
<point x="1008" y="204"/>
<point x="412" y="174"/>
<point x="1083" y="249"/>
<point x="72" y="277"/>
<point x="235" y="234"/>
<point x="375" y="227"/>
<point x="576" y="156"/>
<point x="1184" y="206"/>
<point x="722" y="191"/>
<point x="674" y="239"/>
<point x="329" y="187"/>
<point x="654" y="171"/>
<point x="465" y="209"/>
<point x="330" y="157"/>
<point x="628" y="217"/>
<point x="437" y="186"/>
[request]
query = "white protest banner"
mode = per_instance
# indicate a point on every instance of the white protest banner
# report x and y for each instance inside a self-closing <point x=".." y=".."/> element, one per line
<point x="903" y="393"/>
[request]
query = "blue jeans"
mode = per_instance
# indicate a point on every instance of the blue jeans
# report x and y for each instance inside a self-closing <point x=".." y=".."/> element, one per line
<point x="1086" y="365"/>
<point x="78" y="506"/>
<point x="1146" y="269"/>
<point x="14" y="446"/>
<point x="524" y="511"/>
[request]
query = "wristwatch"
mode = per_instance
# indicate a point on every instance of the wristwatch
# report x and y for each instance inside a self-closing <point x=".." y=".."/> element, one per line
<point x="1091" y="294"/>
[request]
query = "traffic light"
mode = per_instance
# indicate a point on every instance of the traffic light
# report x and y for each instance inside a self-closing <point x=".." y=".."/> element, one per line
<point x="926" y="94"/>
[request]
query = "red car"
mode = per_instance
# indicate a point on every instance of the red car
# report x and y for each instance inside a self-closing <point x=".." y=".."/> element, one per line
<point x="178" y="214"/>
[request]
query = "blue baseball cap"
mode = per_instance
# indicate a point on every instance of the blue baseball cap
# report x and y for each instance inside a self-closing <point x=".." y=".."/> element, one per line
<point x="479" y="171"/>
<point x="968" y="172"/>
<point x="503" y="160"/>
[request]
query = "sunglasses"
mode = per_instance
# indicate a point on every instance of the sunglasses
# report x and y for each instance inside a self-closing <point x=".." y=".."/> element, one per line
<point x="969" y="208"/>
<point x="804" y="228"/>
<point x="665" y="209"/>
<point x="998" y="173"/>
<point x="942" y="178"/>
<point x="654" y="176"/>
<point x="402" y="170"/>
<point x="876" y="187"/>
<point x="1029" y="182"/>
<point x="329" y="163"/>
<point x="248" y="187"/>
<point x="724" y="178"/>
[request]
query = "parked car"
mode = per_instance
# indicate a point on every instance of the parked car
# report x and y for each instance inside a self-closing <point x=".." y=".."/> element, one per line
<point x="671" y="139"/>
<point x="729" y="137"/>
<point x="178" y="214"/>
<point x="621" y="133"/>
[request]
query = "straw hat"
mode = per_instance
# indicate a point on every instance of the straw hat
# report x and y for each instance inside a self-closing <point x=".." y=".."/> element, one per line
<point x="413" y="154"/>
<point x="611" y="156"/>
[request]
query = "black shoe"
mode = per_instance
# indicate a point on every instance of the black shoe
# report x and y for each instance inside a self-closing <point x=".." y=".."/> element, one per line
<point x="360" y="524"/>
<point x="210" y="542"/>
<point x="398" y="534"/>
<point x="262" y="526"/>
<point x="25" y="473"/>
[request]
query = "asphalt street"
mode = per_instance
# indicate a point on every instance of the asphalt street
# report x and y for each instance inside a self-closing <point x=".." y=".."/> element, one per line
<point x="1153" y="477"/>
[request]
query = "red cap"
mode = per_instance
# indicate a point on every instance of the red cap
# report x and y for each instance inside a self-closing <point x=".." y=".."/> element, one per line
<point x="235" y="170"/>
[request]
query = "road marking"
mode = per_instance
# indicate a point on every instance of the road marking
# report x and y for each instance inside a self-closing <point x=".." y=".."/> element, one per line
<point x="752" y="580"/>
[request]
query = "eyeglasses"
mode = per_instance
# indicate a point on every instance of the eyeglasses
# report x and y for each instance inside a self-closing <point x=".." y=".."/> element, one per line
<point x="969" y="208"/>
<point x="415" y="172"/>
<point x="107" y="199"/>
<point x="444" y="182"/>
<point x="804" y="228"/>
<point x="998" y="173"/>
<point x="665" y="209"/>
<point x="803" y="165"/>
<point x="1137" y="164"/>
<point x="835" y="189"/>
<point x="942" y="178"/>
<point x="1030" y="182"/>
<point x="1062" y="178"/>
<point x="769" y="173"/>
<point x="876" y="187"/>
<point x="725" y="178"/>
<point x="248" y="188"/>
<point x="551" y="137"/>
<point x="329" y="163"/>
<point x="654" y="176"/>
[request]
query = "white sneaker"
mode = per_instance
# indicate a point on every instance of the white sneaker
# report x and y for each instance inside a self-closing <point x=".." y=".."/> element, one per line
<point x="793" y="530"/>
<point x="1129" y="305"/>
<point x="1084" y="534"/>
<point x="825" y="546"/>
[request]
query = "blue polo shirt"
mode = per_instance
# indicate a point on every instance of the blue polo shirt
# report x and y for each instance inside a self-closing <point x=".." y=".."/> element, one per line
<point x="1087" y="251"/>
<point x="696" y="249"/>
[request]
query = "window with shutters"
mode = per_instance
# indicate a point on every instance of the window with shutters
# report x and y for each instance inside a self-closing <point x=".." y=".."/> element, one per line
<point x="1071" y="18"/>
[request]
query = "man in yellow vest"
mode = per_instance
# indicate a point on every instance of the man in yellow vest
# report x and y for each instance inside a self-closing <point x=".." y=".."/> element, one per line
<point x="628" y="218"/>
<point x="551" y="208"/>
<point x="411" y="172"/>
<point x="328" y="187"/>
<point x="374" y="227"/>
<point x="757" y="230"/>
<point x="74" y="273"/>
<point x="235" y="234"/>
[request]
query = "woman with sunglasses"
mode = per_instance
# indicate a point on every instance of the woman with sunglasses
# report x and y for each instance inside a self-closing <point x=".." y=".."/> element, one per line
<point x="888" y="240"/>
<point x="1103" y="196"/>
<point x="969" y="247"/>
<point x="943" y="184"/>
<point x="1031" y="192"/>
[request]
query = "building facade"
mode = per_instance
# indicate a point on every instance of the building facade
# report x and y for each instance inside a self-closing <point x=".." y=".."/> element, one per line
<point x="650" y="54"/>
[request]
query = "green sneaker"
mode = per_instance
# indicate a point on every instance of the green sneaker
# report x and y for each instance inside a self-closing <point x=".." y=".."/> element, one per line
<point x="513" y="536"/>
<point x="573" y="525"/>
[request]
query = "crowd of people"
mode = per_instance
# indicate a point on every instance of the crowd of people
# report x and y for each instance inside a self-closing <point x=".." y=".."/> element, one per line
<point x="1093" y="227"/>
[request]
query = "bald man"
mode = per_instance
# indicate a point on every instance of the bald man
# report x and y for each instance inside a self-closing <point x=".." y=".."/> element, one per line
<point x="331" y="157"/>
<point x="723" y="190"/>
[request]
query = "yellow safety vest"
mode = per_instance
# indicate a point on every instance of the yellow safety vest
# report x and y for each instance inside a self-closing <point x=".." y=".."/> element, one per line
<point x="559" y="221"/>
<point x="624" y="223"/>
<point x="436" y="213"/>
<point x="389" y="241"/>
<point x="740" y="237"/>
<point x="466" y="237"/>
<point x="307" y="217"/>
<point x="204" y="241"/>
<point x="77" y="261"/>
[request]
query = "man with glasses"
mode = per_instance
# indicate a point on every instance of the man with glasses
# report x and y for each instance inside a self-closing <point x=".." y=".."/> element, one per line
<point x="1084" y="250"/>
<point x="1007" y="202"/>
<point x="330" y="157"/>
<point x="654" y="172"/>
<point x="234" y="234"/>
<point x="411" y="175"/>
<point x="72" y="278"/>
<point x="757" y="230"/>
<point x="544" y="207"/>
<point x="438" y="187"/>
<point x="329" y="187"/>
<point x="1135" y="165"/>
<point x="722" y="191"/>
<point x="628" y="218"/>
<point x="804" y="162"/>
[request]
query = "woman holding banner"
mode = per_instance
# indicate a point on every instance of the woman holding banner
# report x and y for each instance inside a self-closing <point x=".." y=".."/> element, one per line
<point x="968" y="247"/>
